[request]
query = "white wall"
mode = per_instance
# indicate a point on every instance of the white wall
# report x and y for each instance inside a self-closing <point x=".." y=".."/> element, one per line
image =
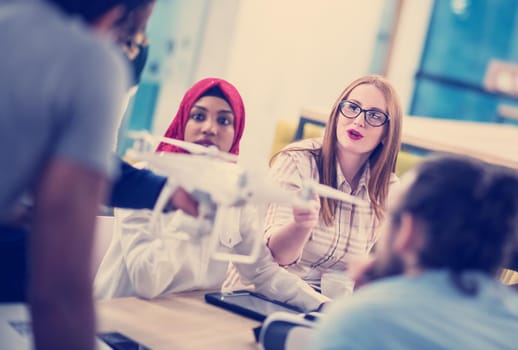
<point x="284" y="55"/>
<point x="217" y="38"/>
<point x="203" y="32"/>
<point x="290" y="54"/>
<point x="408" y="47"/>
<point x="180" y="24"/>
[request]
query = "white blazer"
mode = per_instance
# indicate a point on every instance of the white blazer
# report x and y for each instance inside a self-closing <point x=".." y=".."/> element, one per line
<point x="138" y="263"/>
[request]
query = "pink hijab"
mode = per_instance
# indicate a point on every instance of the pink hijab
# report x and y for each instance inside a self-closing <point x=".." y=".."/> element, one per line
<point x="177" y="127"/>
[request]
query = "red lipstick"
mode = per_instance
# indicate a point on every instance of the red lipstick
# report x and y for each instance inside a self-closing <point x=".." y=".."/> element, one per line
<point x="354" y="135"/>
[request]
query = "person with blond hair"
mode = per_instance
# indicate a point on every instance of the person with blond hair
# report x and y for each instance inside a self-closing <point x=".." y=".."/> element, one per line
<point x="357" y="155"/>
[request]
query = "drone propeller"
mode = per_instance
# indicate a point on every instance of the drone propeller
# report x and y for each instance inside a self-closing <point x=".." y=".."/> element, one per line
<point x="268" y="191"/>
<point x="263" y="190"/>
<point x="196" y="172"/>
<point x="333" y="193"/>
<point x="193" y="148"/>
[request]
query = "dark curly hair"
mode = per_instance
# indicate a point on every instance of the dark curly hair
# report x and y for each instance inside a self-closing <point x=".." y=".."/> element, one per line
<point x="470" y="210"/>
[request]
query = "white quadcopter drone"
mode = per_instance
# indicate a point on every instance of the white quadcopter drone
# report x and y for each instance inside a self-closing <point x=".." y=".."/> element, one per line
<point x="216" y="180"/>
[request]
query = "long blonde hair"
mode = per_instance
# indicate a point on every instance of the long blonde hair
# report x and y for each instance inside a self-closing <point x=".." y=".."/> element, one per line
<point x="382" y="159"/>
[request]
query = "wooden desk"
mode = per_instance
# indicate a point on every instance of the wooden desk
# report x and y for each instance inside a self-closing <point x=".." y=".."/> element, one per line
<point x="494" y="143"/>
<point x="179" y="321"/>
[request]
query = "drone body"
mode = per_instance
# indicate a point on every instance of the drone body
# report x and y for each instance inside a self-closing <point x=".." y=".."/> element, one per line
<point x="216" y="180"/>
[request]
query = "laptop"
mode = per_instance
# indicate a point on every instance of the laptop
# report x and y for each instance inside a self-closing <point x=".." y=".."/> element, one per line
<point x="16" y="333"/>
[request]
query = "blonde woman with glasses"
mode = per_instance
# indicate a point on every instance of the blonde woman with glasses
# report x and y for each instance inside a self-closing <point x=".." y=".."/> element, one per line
<point x="356" y="155"/>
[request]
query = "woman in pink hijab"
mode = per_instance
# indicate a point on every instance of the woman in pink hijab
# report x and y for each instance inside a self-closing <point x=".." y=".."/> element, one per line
<point x="211" y="113"/>
<point x="148" y="263"/>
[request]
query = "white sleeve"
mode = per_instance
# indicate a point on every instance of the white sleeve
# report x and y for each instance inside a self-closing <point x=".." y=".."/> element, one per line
<point x="152" y="263"/>
<point x="268" y="277"/>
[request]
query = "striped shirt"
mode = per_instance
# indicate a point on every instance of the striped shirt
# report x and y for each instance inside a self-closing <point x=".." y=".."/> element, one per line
<point x="329" y="248"/>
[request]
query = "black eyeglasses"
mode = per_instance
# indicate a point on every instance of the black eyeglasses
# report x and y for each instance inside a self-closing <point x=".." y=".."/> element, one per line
<point x="373" y="117"/>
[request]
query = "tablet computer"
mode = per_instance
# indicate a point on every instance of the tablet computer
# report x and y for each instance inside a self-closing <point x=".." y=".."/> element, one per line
<point x="249" y="304"/>
<point x="118" y="341"/>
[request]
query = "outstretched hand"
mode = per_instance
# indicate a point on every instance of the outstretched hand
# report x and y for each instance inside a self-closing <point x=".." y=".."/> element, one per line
<point x="307" y="216"/>
<point x="182" y="200"/>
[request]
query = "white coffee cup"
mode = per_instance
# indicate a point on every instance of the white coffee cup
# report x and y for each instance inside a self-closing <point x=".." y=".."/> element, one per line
<point x="336" y="283"/>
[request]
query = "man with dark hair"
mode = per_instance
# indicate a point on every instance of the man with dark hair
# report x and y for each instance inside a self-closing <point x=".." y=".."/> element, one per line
<point x="62" y="89"/>
<point x="453" y="224"/>
<point x="91" y="11"/>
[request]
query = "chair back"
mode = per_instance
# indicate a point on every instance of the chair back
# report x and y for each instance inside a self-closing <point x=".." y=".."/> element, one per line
<point x="103" y="234"/>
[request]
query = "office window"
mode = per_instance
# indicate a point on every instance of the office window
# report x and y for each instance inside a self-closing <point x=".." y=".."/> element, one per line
<point x="464" y="36"/>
